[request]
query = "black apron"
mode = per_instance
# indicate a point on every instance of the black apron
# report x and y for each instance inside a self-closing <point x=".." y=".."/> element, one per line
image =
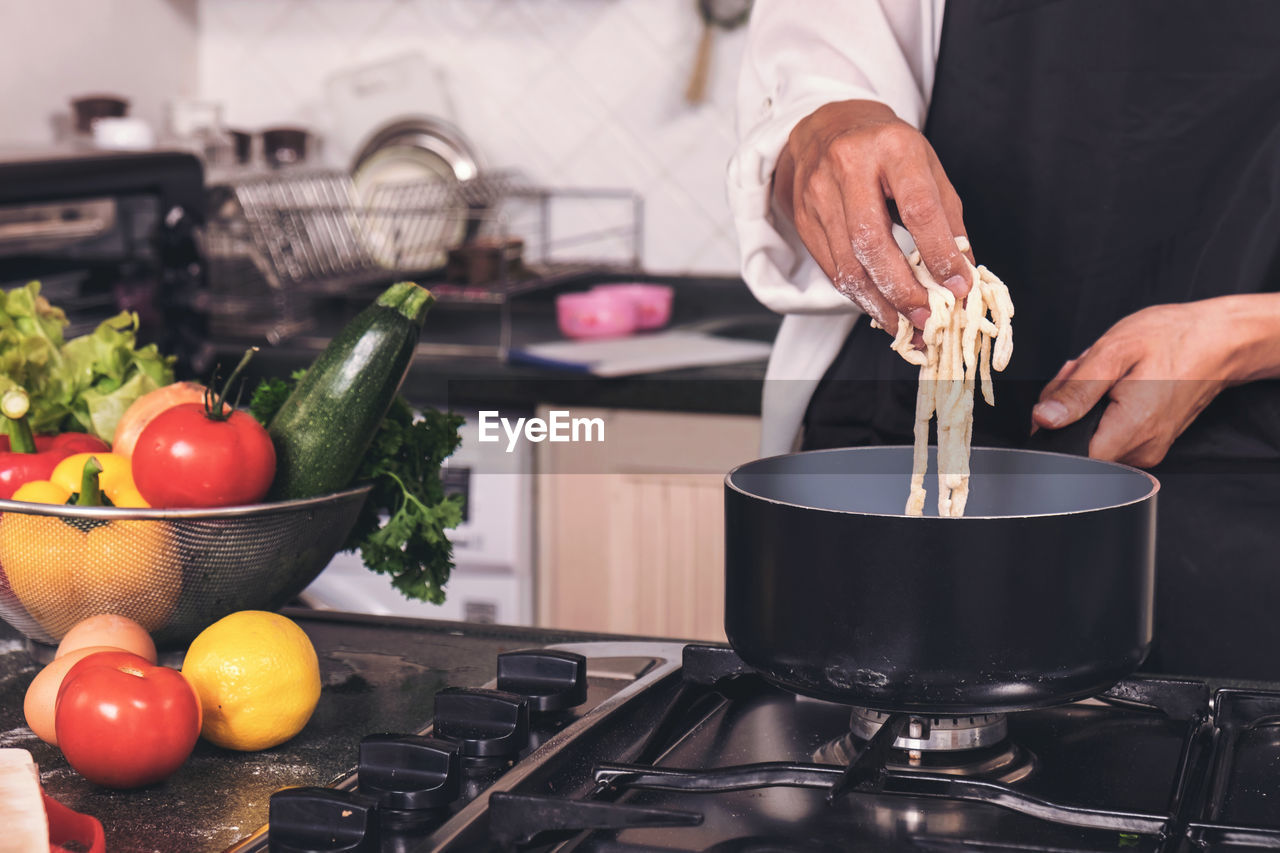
<point x="1110" y="156"/>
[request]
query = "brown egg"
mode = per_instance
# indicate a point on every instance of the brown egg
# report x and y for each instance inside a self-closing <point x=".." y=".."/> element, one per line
<point x="42" y="696"/>
<point x="108" y="629"/>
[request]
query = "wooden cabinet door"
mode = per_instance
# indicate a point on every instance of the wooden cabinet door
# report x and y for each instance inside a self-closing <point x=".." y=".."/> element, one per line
<point x="631" y="528"/>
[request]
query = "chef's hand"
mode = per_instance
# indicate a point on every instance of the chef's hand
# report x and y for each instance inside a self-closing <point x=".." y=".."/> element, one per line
<point x="846" y="172"/>
<point x="1160" y="367"/>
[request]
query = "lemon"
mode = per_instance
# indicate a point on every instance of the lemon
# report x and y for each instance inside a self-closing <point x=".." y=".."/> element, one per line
<point x="258" y="679"/>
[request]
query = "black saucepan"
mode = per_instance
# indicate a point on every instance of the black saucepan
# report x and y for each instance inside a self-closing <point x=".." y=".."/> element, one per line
<point x="1041" y="594"/>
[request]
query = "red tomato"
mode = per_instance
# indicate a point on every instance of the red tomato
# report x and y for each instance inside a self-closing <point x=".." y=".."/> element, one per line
<point x="124" y="722"/>
<point x="185" y="458"/>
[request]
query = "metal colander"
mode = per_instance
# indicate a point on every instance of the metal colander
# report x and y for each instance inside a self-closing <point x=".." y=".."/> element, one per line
<point x="175" y="571"/>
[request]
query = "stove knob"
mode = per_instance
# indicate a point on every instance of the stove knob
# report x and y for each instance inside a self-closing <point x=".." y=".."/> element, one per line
<point x="551" y="680"/>
<point x="321" y="820"/>
<point x="409" y="773"/>
<point x="484" y="723"/>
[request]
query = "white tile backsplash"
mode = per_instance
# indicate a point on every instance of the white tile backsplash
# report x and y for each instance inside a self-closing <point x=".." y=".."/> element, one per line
<point x="573" y="93"/>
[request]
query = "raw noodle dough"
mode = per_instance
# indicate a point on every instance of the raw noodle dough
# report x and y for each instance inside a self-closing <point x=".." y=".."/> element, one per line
<point x="961" y="346"/>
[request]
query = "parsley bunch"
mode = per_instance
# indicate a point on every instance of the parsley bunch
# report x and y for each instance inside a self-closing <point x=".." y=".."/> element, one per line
<point x="403" y="464"/>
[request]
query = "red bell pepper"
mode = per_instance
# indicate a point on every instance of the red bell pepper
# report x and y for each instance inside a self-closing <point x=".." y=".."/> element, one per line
<point x="26" y="457"/>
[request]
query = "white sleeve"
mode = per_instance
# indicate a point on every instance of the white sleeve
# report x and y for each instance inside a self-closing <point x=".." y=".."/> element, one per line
<point x="801" y="54"/>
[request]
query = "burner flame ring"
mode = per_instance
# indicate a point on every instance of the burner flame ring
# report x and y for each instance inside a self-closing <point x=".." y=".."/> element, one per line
<point x="935" y="734"/>
<point x="974" y="746"/>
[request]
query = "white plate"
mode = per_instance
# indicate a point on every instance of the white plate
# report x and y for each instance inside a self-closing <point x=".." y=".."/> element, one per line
<point x="403" y="179"/>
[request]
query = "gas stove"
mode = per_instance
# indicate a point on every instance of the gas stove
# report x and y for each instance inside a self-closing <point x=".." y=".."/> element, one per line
<point x="652" y="746"/>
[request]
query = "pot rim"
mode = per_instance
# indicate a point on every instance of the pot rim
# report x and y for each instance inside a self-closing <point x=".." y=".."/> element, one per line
<point x="729" y="484"/>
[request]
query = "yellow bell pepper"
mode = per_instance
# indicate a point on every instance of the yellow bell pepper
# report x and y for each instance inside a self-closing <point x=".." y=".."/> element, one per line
<point x="65" y="569"/>
<point x="115" y="480"/>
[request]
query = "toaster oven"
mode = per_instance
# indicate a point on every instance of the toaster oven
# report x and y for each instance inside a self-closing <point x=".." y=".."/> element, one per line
<point x="110" y="231"/>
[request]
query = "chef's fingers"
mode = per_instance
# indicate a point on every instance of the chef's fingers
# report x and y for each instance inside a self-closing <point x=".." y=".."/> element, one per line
<point x="1135" y="428"/>
<point x="1147" y="455"/>
<point x="834" y="255"/>
<point x="1122" y="431"/>
<point x="1100" y="368"/>
<point x="869" y="235"/>
<point x="1070" y="402"/>
<point x="853" y="282"/>
<point x="951" y="204"/>
<point x="1159" y="410"/>
<point x="1063" y="374"/>
<point x="1096" y="371"/>
<point x="910" y="182"/>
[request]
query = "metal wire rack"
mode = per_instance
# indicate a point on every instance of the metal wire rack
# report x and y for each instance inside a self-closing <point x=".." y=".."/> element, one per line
<point x="280" y="240"/>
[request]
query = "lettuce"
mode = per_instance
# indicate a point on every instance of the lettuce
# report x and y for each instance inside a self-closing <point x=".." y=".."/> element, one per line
<point x="81" y="385"/>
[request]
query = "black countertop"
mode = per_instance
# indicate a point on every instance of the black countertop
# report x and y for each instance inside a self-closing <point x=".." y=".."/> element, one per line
<point x="379" y="674"/>
<point x="444" y="376"/>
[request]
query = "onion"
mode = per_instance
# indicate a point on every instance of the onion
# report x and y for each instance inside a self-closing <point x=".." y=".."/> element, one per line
<point x="145" y="408"/>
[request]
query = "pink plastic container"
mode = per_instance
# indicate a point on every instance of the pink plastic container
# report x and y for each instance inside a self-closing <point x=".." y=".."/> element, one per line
<point x="652" y="301"/>
<point x="594" y="314"/>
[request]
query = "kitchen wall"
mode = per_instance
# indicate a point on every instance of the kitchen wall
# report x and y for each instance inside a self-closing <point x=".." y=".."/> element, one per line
<point x="573" y="93"/>
<point x="53" y="50"/>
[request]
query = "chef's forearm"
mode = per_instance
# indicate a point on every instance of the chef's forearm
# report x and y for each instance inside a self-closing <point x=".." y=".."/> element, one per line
<point x="1253" y="327"/>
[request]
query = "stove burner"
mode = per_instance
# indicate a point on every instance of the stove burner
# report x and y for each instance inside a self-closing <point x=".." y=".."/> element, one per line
<point x="927" y="734"/>
<point x="971" y="745"/>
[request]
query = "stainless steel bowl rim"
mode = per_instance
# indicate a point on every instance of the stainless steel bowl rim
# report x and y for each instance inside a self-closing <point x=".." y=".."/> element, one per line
<point x="428" y="134"/>
<point x="729" y="483"/>
<point x="111" y="513"/>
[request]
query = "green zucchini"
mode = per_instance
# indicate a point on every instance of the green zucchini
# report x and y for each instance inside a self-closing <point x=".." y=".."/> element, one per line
<point x="326" y="424"/>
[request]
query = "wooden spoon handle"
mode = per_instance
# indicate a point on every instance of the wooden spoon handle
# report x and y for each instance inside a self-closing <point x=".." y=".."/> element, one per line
<point x="696" y="93"/>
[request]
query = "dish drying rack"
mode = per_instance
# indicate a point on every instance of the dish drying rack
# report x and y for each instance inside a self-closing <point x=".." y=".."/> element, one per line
<point x="278" y="242"/>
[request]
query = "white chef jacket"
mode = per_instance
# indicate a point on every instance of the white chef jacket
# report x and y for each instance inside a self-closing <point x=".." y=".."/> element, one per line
<point x="801" y="54"/>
